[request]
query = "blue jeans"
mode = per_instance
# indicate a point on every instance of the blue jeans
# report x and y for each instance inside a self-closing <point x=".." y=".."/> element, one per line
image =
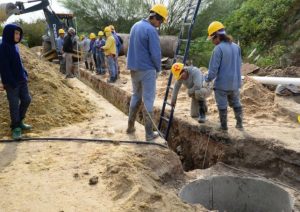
<point x="112" y="66"/>
<point x="143" y="87"/>
<point x="225" y="97"/>
<point x="19" y="100"/>
<point x="100" y="62"/>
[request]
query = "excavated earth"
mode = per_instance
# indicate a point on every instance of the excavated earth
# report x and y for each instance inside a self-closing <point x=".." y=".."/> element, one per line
<point x="89" y="176"/>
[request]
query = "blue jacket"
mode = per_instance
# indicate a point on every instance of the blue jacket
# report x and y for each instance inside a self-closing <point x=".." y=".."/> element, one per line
<point x="225" y="66"/>
<point x="118" y="42"/>
<point x="144" y="52"/>
<point x="93" y="46"/>
<point x="59" y="44"/>
<point x="11" y="68"/>
<point x="99" y="44"/>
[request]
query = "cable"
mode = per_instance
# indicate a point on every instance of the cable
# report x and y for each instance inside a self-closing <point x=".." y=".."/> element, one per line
<point x="86" y="140"/>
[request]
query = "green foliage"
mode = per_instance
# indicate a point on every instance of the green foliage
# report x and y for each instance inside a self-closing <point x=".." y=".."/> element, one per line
<point x="200" y="51"/>
<point x="259" y="20"/>
<point x="272" y="57"/>
<point x="33" y="32"/>
<point x="1" y="30"/>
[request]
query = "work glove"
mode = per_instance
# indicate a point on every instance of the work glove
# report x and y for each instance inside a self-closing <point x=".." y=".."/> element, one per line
<point x="191" y="92"/>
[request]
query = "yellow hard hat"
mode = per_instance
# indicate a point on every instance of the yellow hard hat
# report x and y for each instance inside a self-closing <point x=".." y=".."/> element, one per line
<point x="107" y="29"/>
<point x="92" y="36"/>
<point x="161" y="10"/>
<point x="177" y="69"/>
<point x="214" y="27"/>
<point x="112" y="27"/>
<point x="61" y="31"/>
<point x="100" y="33"/>
<point x="82" y="37"/>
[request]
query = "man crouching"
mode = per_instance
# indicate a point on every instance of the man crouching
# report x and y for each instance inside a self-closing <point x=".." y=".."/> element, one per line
<point x="192" y="78"/>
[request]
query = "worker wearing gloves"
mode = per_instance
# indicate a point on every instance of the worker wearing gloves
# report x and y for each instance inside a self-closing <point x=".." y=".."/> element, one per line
<point x="69" y="51"/>
<point x="144" y="63"/>
<point x="100" y="42"/>
<point x="225" y="68"/>
<point x="110" y="52"/>
<point x="192" y="78"/>
<point x="14" y="78"/>
<point x="92" y="52"/>
<point x="59" y="49"/>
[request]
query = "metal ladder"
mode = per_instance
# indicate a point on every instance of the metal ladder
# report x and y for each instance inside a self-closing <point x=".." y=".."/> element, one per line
<point x="181" y="55"/>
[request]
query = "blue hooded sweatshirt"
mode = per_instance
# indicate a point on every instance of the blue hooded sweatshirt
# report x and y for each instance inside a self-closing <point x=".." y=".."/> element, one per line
<point x="11" y="68"/>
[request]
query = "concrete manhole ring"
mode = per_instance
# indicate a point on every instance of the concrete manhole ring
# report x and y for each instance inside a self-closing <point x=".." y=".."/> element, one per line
<point x="236" y="194"/>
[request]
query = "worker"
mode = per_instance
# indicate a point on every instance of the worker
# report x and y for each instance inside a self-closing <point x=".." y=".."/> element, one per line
<point x="192" y="78"/>
<point x="100" y="42"/>
<point x="14" y="79"/>
<point x="59" y="49"/>
<point x="225" y="68"/>
<point x="144" y="63"/>
<point x="85" y="47"/>
<point x="92" y="52"/>
<point x="69" y="51"/>
<point x="110" y="52"/>
<point x="119" y="45"/>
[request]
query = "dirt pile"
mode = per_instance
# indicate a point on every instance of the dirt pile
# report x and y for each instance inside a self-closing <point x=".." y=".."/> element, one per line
<point x="291" y="71"/>
<point x="55" y="102"/>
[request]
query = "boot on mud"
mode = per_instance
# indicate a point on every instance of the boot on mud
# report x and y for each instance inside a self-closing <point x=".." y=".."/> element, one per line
<point x="24" y="126"/>
<point x="202" y="112"/>
<point x="150" y="134"/>
<point x="91" y="67"/>
<point x="17" y="133"/>
<point x="131" y="119"/>
<point x="238" y="113"/>
<point x="86" y="65"/>
<point x="223" y="120"/>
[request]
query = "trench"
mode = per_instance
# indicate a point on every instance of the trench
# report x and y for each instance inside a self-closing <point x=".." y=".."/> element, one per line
<point x="201" y="147"/>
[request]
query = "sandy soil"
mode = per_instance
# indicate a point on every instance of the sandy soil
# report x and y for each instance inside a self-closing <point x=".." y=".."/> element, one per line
<point x="44" y="176"/>
<point x="262" y="118"/>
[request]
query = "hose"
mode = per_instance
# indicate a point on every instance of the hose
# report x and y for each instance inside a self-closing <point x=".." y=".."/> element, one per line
<point x="86" y="140"/>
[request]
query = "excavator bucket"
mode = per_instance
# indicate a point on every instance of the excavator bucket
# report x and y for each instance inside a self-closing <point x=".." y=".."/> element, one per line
<point x="7" y="10"/>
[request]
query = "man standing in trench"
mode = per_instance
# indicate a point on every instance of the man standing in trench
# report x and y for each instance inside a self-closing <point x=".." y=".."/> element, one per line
<point x="69" y="51"/>
<point x="144" y="63"/>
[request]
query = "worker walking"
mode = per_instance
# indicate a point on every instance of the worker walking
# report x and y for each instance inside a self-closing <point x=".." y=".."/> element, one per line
<point x="69" y="51"/>
<point x="192" y="78"/>
<point x="59" y="50"/>
<point x="110" y="52"/>
<point x="85" y="47"/>
<point x="144" y="63"/>
<point x="100" y="42"/>
<point x="14" y="78"/>
<point x="225" y="68"/>
<point x="92" y="52"/>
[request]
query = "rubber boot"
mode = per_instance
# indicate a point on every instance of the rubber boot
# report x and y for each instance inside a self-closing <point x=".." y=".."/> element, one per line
<point x="150" y="134"/>
<point x="238" y="113"/>
<point x="223" y="119"/>
<point x="194" y="108"/>
<point x="17" y="133"/>
<point x="86" y="65"/>
<point x="202" y="111"/>
<point x="91" y="67"/>
<point x="24" y="126"/>
<point x="131" y="118"/>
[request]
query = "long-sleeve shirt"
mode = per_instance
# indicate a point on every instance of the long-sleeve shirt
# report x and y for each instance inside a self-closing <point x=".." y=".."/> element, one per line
<point x="85" y="45"/>
<point x="225" y="67"/>
<point x="68" y="44"/>
<point x="118" y="42"/>
<point x="110" y="46"/>
<point x="144" y="52"/>
<point x="93" y="46"/>
<point x="194" y="81"/>
<point x="12" y="71"/>
<point x="59" y="44"/>
<point x="99" y="43"/>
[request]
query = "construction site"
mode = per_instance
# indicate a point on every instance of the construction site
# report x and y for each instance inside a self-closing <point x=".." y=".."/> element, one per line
<point x="78" y="156"/>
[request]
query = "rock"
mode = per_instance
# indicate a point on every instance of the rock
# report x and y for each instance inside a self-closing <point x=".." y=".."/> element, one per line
<point x="93" y="180"/>
<point x="76" y="175"/>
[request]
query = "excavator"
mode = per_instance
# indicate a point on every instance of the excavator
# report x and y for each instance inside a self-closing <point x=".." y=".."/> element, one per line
<point x="54" y="20"/>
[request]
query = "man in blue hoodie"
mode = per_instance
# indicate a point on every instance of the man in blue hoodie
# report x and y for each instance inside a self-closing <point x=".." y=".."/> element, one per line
<point x="14" y="78"/>
<point x="144" y="63"/>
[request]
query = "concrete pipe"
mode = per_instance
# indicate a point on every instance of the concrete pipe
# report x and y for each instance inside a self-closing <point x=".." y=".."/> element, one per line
<point x="168" y="45"/>
<point x="276" y="80"/>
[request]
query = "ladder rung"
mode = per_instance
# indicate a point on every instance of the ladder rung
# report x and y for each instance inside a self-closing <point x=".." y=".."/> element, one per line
<point x="184" y="40"/>
<point x="187" y="23"/>
<point x="170" y="87"/>
<point x="165" y="119"/>
<point x="167" y="103"/>
<point x="179" y="56"/>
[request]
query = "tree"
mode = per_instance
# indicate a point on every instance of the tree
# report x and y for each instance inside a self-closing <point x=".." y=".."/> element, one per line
<point x="96" y="14"/>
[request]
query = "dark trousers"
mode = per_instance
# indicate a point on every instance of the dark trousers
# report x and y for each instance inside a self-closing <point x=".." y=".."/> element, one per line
<point x="19" y="100"/>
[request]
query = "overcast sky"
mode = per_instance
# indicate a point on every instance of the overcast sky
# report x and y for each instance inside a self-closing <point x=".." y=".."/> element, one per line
<point x="29" y="17"/>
